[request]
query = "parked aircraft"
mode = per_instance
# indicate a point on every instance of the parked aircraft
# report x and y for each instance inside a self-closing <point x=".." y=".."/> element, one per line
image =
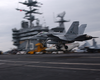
<point x="90" y="48"/>
<point x="86" y="44"/>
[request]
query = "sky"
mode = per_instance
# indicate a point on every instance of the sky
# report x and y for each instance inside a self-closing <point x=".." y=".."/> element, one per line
<point x="84" y="11"/>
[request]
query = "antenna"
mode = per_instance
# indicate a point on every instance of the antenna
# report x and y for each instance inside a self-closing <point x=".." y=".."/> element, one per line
<point x="44" y="21"/>
<point x="54" y="19"/>
<point x="61" y="15"/>
<point x="62" y="21"/>
<point x="31" y="4"/>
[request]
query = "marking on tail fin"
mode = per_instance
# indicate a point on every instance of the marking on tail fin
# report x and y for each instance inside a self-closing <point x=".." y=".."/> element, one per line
<point x="73" y="28"/>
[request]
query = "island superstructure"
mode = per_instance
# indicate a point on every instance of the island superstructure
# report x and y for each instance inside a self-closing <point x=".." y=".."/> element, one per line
<point x="22" y="37"/>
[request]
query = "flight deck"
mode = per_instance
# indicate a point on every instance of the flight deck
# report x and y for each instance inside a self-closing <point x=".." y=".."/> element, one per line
<point x="74" y="66"/>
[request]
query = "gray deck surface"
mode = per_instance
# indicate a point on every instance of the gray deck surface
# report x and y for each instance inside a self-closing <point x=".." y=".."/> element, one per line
<point x="74" y="66"/>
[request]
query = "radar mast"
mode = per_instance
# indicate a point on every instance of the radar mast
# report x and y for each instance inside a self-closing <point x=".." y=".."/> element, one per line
<point x="32" y="4"/>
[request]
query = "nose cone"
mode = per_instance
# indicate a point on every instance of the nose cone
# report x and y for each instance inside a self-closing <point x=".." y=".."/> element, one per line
<point x="84" y="37"/>
<point x="90" y="36"/>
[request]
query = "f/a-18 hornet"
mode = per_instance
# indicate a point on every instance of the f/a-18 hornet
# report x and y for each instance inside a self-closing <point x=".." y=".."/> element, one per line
<point x="74" y="33"/>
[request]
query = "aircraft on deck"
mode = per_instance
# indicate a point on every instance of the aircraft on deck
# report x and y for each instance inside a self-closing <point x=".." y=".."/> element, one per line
<point x="73" y="34"/>
<point x="60" y="39"/>
<point x="86" y="47"/>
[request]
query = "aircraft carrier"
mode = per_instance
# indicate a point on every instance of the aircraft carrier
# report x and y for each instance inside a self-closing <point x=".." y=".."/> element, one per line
<point x="23" y="38"/>
<point x="33" y="38"/>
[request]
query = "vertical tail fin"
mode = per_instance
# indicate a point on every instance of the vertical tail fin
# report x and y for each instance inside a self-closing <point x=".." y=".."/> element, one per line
<point x="82" y="28"/>
<point x="29" y="1"/>
<point x="94" y="44"/>
<point x="73" y="28"/>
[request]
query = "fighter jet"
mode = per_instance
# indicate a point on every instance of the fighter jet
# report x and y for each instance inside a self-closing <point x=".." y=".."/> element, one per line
<point x="72" y="35"/>
<point x="31" y="3"/>
<point x="90" y="48"/>
<point x="86" y="44"/>
<point x="28" y="12"/>
<point x="60" y="39"/>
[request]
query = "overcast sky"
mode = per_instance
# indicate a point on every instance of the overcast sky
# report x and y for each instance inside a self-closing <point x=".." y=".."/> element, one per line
<point x="85" y="11"/>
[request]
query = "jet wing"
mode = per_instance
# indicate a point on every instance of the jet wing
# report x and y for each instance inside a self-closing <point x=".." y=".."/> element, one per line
<point x="63" y="37"/>
<point x="57" y="37"/>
